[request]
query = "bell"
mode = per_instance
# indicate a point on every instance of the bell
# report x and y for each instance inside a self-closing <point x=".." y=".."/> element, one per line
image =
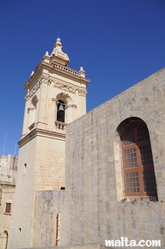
<point x="61" y="107"/>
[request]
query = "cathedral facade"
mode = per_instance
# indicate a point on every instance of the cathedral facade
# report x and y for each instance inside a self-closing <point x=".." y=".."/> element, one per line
<point x="84" y="179"/>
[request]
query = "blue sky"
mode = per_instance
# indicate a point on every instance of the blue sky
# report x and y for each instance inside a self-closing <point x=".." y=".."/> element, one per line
<point x="118" y="42"/>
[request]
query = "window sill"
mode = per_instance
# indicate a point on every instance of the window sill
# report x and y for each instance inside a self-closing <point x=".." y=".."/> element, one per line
<point x="7" y="214"/>
<point x="134" y="199"/>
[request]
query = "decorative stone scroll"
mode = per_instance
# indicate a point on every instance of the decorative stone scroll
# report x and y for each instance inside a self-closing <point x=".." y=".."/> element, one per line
<point x="82" y="92"/>
<point x="31" y="92"/>
<point x="46" y="79"/>
<point x="65" y="87"/>
<point x="69" y="88"/>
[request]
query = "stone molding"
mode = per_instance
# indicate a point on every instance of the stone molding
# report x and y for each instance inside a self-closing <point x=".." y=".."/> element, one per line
<point x="71" y="105"/>
<point x="31" y="92"/>
<point x="66" y="69"/>
<point x="30" y="108"/>
<point x="69" y="88"/>
<point x="40" y="132"/>
<point x="46" y="79"/>
<point x="64" y="86"/>
<point x="64" y="96"/>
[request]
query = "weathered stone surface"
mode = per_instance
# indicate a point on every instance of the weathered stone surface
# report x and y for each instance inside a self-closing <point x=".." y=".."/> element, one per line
<point x="93" y="210"/>
<point x="93" y="207"/>
<point x="89" y="246"/>
<point x="41" y="164"/>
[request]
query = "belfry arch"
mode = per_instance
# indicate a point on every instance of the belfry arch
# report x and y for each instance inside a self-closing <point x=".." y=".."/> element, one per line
<point x="64" y="108"/>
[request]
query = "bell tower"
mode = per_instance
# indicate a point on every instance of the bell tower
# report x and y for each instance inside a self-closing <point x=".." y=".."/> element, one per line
<point x="56" y="95"/>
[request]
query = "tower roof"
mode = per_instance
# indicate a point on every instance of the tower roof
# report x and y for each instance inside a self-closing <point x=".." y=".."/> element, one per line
<point x="58" y="62"/>
<point x="58" y="55"/>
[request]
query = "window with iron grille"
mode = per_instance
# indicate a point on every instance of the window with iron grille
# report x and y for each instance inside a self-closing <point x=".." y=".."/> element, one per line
<point x="8" y="208"/>
<point x="139" y="175"/>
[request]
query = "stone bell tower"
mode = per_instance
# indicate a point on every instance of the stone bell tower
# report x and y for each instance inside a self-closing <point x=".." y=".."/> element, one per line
<point x="56" y="95"/>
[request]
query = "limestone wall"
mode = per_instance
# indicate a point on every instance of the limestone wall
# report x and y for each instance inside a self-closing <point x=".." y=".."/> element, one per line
<point x="6" y="215"/>
<point x="89" y="246"/>
<point x="94" y="207"/>
<point x="8" y="170"/>
<point x="47" y="205"/>
<point x="49" y="163"/>
<point x="41" y="167"/>
<point x="24" y="197"/>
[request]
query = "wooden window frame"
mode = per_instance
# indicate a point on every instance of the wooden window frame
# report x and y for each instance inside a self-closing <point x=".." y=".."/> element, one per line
<point x="8" y="208"/>
<point x="139" y="168"/>
<point x="57" y="228"/>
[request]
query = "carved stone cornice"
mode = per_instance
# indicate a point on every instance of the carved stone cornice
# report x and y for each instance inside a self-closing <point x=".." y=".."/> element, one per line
<point x="64" y="86"/>
<point x="42" y="133"/>
<point x="55" y="67"/>
<point x="46" y="79"/>
<point x="82" y="92"/>
<point x="69" y="88"/>
<point x="64" y="70"/>
<point x="32" y="91"/>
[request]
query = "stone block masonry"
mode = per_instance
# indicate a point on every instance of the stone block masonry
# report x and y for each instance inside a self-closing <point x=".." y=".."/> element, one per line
<point x="89" y="246"/>
<point x="96" y="207"/>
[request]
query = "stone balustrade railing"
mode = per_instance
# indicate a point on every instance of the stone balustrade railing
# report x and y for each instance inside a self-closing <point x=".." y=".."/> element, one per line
<point x="63" y="68"/>
<point x="60" y="125"/>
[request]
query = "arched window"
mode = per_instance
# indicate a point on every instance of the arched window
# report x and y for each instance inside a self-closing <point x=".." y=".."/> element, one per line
<point x="32" y="112"/>
<point x="61" y="111"/>
<point x="139" y="175"/>
<point x="5" y="240"/>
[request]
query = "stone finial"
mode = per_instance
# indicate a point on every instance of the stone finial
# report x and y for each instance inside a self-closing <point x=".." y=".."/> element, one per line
<point x="46" y="54"/>
<point x="82" y="72"/>
<point x="31" y="73"/>
<point x="46" y="57"/>
<point x="58" y="41"/>
<point x="58" y="55"/>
